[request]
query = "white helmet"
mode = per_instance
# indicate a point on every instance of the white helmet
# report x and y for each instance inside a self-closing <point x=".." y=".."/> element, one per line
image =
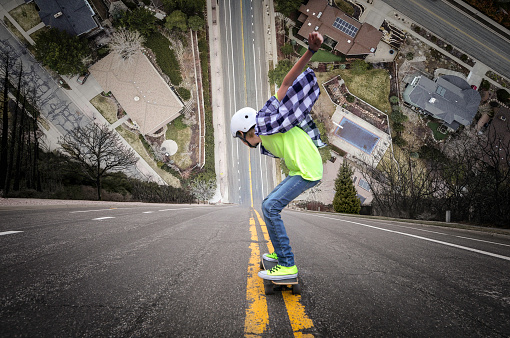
<point x="242" y="120"/>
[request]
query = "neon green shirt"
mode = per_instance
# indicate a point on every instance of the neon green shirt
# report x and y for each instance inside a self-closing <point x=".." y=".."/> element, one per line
<point x="298" y="151"/>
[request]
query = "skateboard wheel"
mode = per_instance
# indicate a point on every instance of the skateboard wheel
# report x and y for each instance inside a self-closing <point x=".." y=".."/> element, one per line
<point x="296" y="289"/>
<point x="268" y="289"/>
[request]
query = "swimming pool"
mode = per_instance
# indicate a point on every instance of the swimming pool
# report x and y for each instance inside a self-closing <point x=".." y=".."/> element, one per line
<point x="357" y="135"/>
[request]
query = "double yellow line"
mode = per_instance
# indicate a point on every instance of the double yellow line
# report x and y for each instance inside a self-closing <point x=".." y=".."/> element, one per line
<point x="257" y="316"/>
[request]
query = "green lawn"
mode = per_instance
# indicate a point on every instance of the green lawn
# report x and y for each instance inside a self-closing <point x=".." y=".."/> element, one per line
<point x="323" y="56"/>
<point x="26" y="16"/>
<point x="136" y="144"/>
<point x="437" y="135"/>
<point x="181" y="134"/>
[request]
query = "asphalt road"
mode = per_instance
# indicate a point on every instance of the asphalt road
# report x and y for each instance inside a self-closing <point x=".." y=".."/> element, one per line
<point x="180" y="270"/>
<point x="459" y="30"/>
<point x="245" y="84"/>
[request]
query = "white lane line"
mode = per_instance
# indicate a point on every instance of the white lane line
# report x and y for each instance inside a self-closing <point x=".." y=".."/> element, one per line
<point x="101" y="218"/>
<point x="9" y="233"/>
<point x="425" y="238"/>
<point x="444" y="234"/>
<point x="175" y="209"/>
<point x="148" y="212"/>
<point x="80" y="211"/>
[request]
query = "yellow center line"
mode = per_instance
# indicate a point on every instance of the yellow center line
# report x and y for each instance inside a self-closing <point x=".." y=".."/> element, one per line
<point x="299" y="321"/>
<point x="257" y="316"/>
<point x="461" y="31"/>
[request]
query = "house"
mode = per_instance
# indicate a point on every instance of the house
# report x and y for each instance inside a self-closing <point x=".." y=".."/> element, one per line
<point x="448" y="98"/>
<point x="145" y="97"/>
<point x="341" y="32"/>
<point x="73" y="16"/>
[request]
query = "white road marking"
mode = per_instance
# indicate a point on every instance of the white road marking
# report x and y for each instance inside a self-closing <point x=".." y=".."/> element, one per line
<point x="75" y="212"/>
<point x="424" y="238"/>
<point x="9" y="233"/>
<point x="148" y="212"/>
<point x="442" y="233"/>
<point x="175" y="209"/>
<point x="101" y="218"/>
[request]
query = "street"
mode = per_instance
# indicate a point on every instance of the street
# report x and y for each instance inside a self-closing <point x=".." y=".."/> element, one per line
<point x="245" y="84"/>
<point x="459" y="30"/>
<point x="185" y="270"/>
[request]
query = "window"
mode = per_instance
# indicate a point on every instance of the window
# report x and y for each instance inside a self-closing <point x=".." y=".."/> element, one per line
<point x="364" y="184"/>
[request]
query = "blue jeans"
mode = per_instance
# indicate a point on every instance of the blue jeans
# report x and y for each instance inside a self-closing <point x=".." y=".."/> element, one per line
<point x="290" y="188"/>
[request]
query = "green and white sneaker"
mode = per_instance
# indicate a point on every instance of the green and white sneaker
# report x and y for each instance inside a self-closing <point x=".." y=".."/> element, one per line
<point x="272" y="257"/>
<point x="279" y="272"/>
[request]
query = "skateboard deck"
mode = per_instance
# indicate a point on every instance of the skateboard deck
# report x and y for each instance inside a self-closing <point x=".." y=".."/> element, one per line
<point x="279" y="285"/>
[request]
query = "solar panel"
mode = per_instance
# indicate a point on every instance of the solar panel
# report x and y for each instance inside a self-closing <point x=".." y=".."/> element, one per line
<point x="440" y="90"/>
<point x="345" y="27"/>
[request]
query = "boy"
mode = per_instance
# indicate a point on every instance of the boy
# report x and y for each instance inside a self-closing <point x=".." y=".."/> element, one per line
<point x="285" y="129"/>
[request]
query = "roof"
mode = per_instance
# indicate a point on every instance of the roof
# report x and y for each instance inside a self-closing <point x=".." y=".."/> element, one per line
<point x="449" y="98"/>
<point x="143" y="94"/>
<point x="72" y="16"/>
<point x="352" y="37"/>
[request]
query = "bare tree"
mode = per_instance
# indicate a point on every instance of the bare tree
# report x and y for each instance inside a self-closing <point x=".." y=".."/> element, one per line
<point x="403" y="186"/>
<point x="7" y="63"/>
<point x="98" y="150"/>
<point x="126" y="43"/>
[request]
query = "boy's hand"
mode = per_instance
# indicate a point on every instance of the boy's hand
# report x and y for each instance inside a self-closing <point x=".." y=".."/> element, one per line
<point x="315" y="40"/>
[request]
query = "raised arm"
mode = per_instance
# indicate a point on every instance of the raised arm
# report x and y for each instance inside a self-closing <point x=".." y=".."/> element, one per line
<point x="315" y="40"/>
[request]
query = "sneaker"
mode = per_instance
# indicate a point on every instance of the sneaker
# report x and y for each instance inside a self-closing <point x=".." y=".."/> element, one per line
<point x="272" y="257"/>
<point x="279" y="272"/>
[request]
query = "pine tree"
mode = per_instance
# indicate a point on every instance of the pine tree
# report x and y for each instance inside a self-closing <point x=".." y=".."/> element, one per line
<point x="345" y="199"/>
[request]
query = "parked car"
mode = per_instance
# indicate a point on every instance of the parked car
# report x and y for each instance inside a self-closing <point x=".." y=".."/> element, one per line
<point x="82" y="78"/>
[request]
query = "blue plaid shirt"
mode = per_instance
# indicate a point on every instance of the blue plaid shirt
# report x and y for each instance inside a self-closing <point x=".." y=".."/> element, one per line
<point x="292" y="111"/>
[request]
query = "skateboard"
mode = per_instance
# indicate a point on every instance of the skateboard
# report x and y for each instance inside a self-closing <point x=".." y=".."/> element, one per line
<point x="270" y="286"/>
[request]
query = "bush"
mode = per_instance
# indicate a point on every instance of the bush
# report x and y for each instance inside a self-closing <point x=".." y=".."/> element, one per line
<point x="165" y="57"/>
<point x="449" y="48"/>
<point x="184" y="93"/>
<point x="464" y="57"/>
<point x="410" y="56"/>
<point x="399" y="141"/>
<point x="394" y="99"/>
<point x="485" y="85"/>
<point x="503" y="95"/>
<point x="349" y="98"/>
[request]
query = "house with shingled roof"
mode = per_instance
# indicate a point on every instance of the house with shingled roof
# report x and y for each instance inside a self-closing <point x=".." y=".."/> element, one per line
<point x="73" y="16"/>
<point x="143" y="94"/>
<point x="341" y="32"/>
<point x="448" y="98"/>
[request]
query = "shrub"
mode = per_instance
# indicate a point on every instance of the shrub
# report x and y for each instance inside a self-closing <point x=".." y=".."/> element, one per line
<point x="485" y="85"/>
<point x="464" y="57"/>
<point x="349" y="98"/>
<point x="184" y="93"/>
<point x="394" y="99"/>
<point x="410" y="56"/>
<point x="503" y="95"/>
